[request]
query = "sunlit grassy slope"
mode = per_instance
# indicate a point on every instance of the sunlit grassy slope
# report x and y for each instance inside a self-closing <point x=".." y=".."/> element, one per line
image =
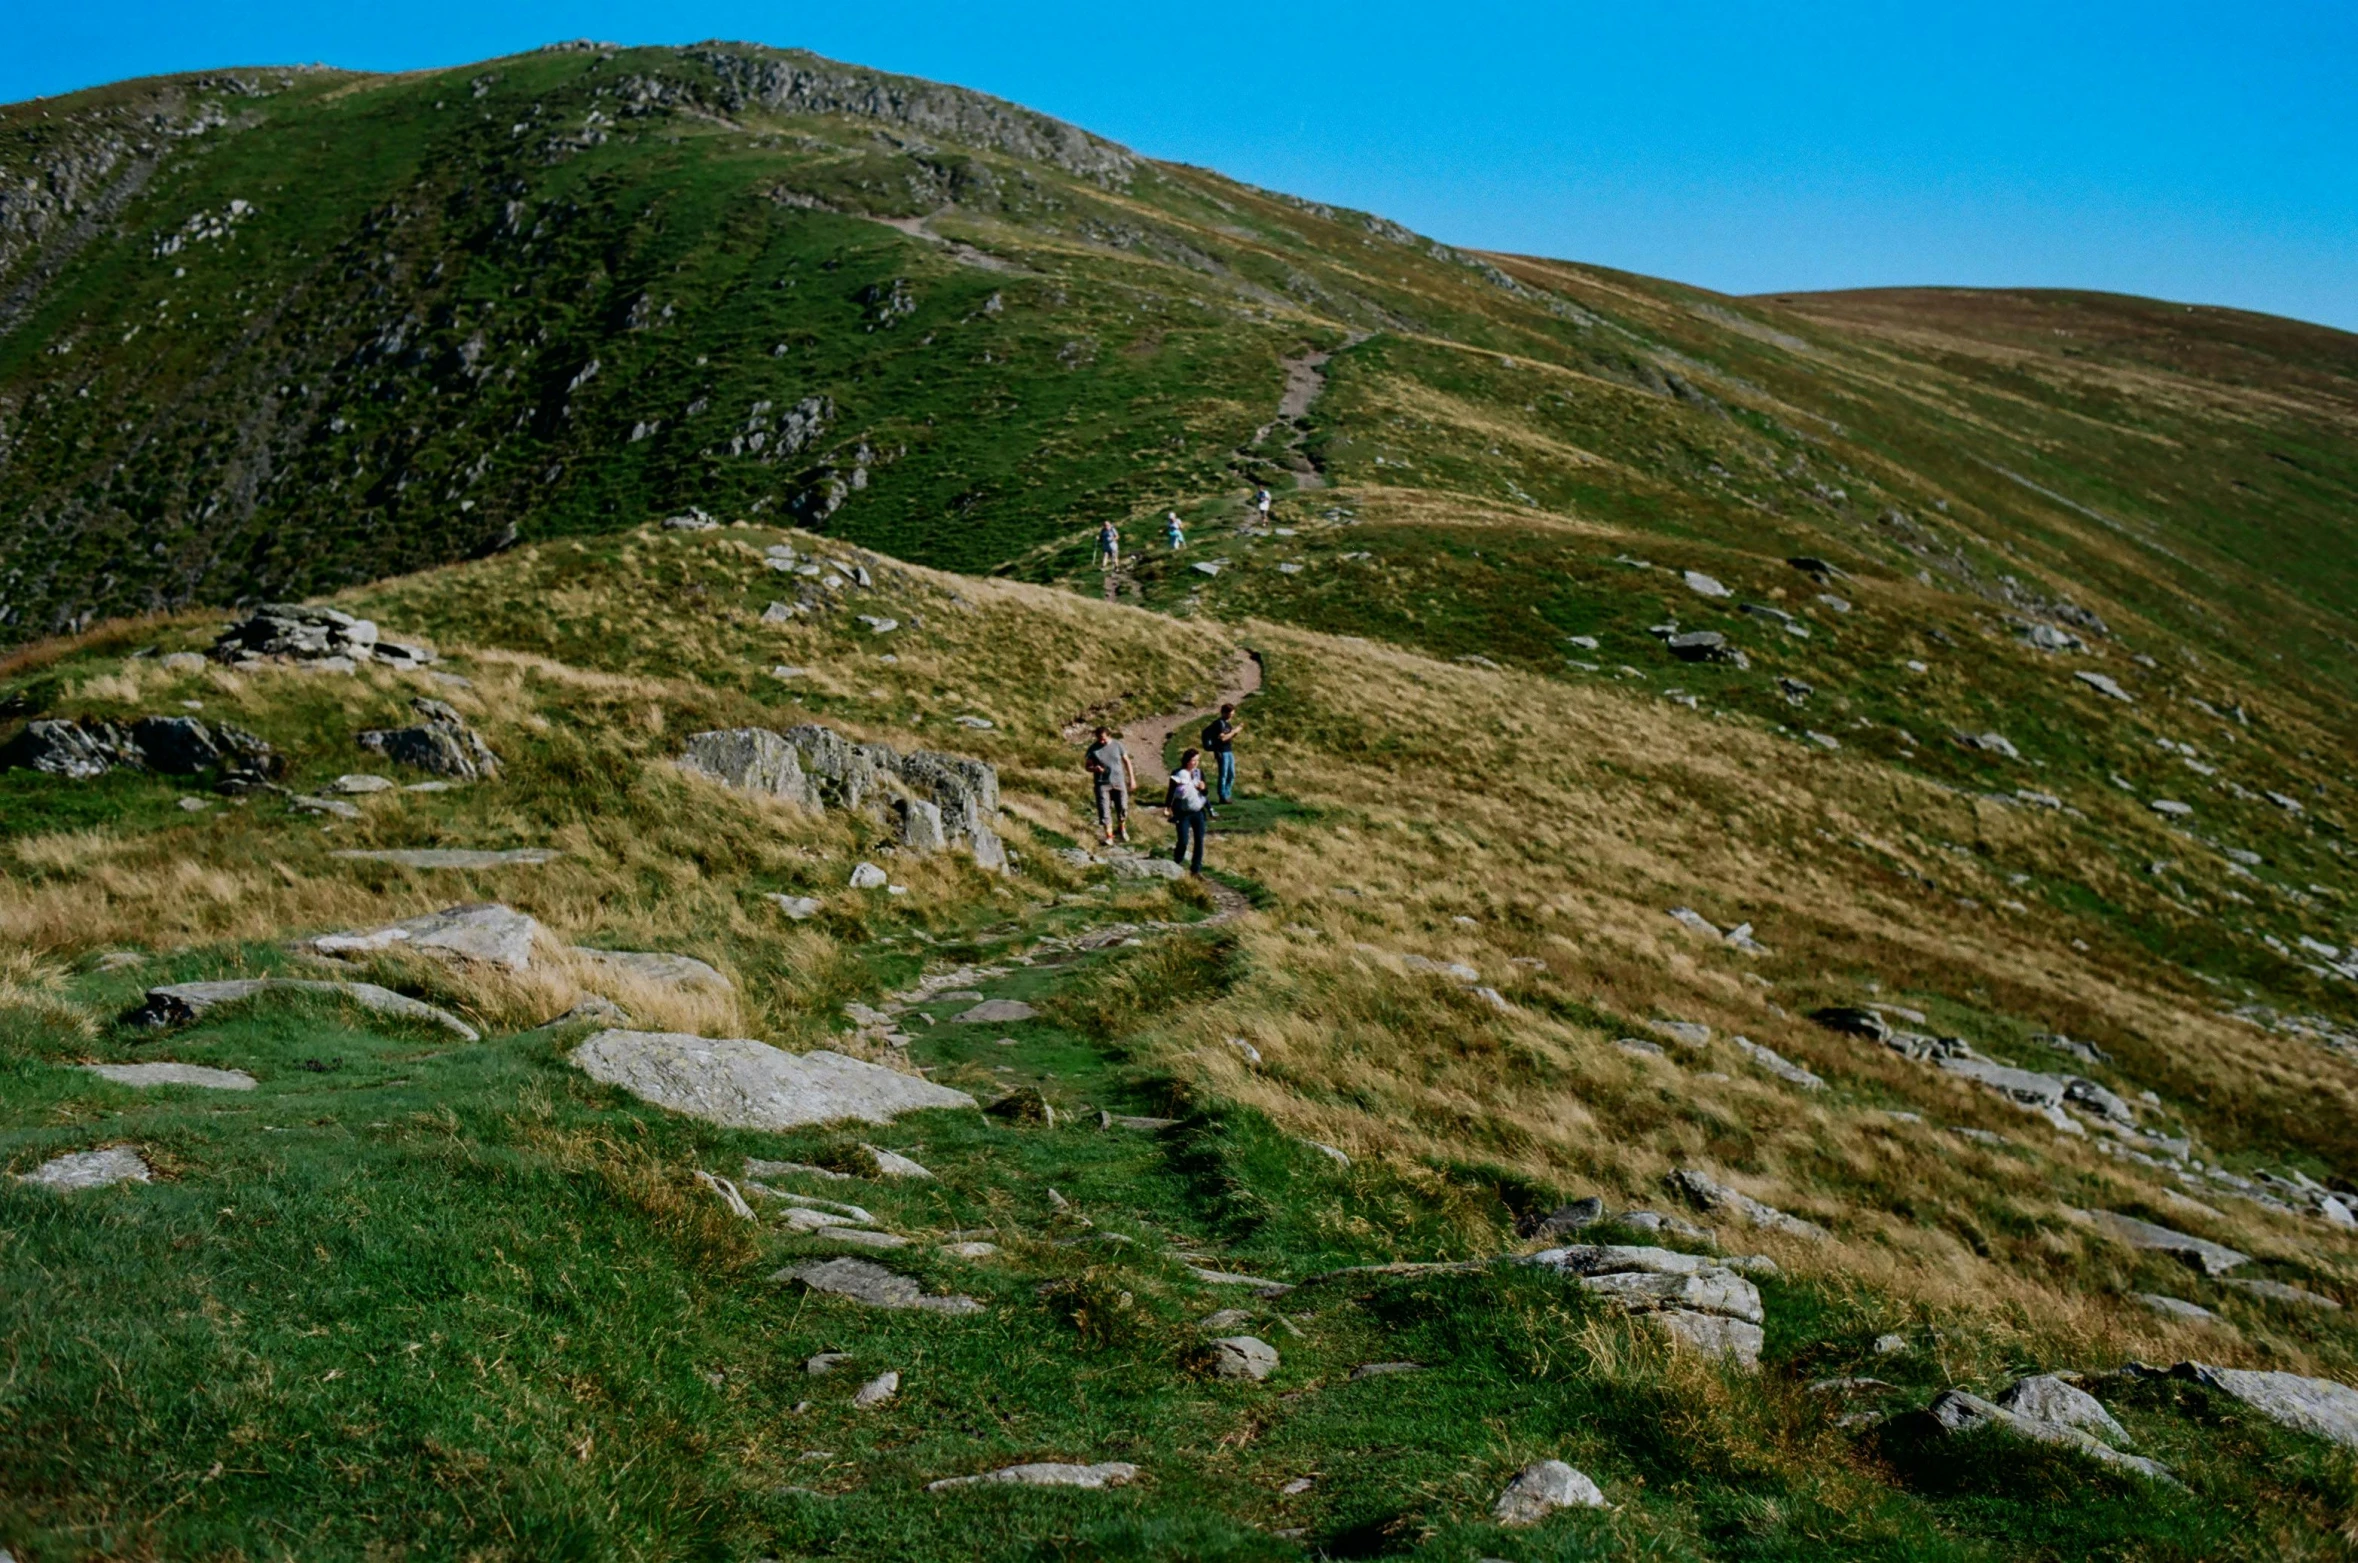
<point x="418" y="1299"/>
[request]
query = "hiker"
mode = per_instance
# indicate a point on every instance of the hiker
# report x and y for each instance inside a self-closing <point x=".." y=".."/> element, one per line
<point x="1187" y="809"/>
<point x="1263" y="501"/>
<point x="1219" y="737"/>
<point x="1176" y="530"/>
<point x="1115" y="781"/>
<point x="1109" y="546"/>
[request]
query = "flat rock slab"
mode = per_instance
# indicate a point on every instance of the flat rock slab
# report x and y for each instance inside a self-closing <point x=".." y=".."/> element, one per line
<point x="1047" y="1473"/>
<point x="1707" y="1193"/>
<point x="2046" y="1398"/>
<point x="666" y="971"/>
<point x="2279" y="1291"/>
<point x="1243" y="1357"/>
<point x="174" y="1074"/>
<point x="1959" y="1412"/>
<point x="90" y="1170"/>
<point x="183" y="1002"/>
<point x="742" y="1084"/>
<point x="453" y="857"/>
<point x="2213" y="1258"/>
<point x="996" y="1012"/>
<point x="864" y="1281"/>
<point x="1717" y="1336"/>
<point x="484" y="931"/>
<point x="2307" y="1405"/>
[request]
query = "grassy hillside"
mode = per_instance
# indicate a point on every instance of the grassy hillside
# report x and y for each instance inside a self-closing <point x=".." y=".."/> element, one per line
<point x="2030" y="719"/>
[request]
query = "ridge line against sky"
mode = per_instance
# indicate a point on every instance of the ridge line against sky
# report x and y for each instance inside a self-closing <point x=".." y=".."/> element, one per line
<point x="2166" y="149"/>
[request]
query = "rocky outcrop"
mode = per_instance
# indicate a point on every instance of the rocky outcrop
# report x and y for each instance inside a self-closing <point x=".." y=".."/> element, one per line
<point x="933" y="801"/>
<point x="296" y="633"/>
<point x="484" y="932"/>
<point x="443" y="744"/>
<point x="1700" y="1301"/>
<point x="1708" y="1194"/>
<point x="742" y="1084"/>
<point x="167" y="745"/>
<point x="2211" y="1258"/>
<point x="1958" y="1412"/>
<point x="2318" y="1406"/>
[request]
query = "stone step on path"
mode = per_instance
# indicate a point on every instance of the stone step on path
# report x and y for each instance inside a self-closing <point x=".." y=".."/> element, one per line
<point x="739" y="1083"/>
<point x="163" y="1073"/>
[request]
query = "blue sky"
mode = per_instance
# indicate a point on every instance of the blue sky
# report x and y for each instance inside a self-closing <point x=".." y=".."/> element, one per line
<point x="2198" y="152"/>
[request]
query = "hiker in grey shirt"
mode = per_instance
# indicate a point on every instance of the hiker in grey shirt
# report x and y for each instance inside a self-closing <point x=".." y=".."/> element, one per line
<point x="1109" y="766"/>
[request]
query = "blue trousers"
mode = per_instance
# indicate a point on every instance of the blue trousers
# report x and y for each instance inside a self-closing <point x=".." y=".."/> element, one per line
<point x="1190" y="824"/>
<point x="1227" y="773"/>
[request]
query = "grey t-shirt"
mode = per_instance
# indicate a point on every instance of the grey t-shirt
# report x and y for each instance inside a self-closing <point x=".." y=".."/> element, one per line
<point x="1110" y="754"/>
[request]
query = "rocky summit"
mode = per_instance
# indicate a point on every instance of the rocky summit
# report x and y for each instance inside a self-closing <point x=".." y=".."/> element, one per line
<point x="1778" y="975"/>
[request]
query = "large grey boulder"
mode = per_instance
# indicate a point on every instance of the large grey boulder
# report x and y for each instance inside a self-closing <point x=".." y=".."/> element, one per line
<point x="175" y="745"/>
<point x="307" y="634"/>
<point x="90" y="1170"/>
<point x="1715" y="1335"/>
<point x="995" y="1012"/>
<point x="2212" y="1258"/>
<point x="1540" y="1489"/>
<point x="920" y="825"/>
<point x="2046" y="1398"/>
<point x="742" y="1084"/>
<point x="183" y="1002"/>
<point x="1959" y="1412"/>
<point x="843" y="773"/>
<point x="658" y="970"/>
<point x="750" y="759"/>
<point x="866" y="1282"/>
<point x="173" y="1074"/>
<point x="2306" y="1405"/>
<point x="483" y="932"/>
<point x="1716" y="1291"/>
<point x="443" y="744"/>
<point x="1243" y="1357"/>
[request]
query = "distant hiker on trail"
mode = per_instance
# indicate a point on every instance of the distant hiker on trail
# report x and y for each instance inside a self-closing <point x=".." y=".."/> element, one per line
<point x="1109" y="768"/>
<point x="1187" y="809"/>
<point x="1109" y="546"/>
<point x="1262" y="502"/>
<point x="1176" y="530"/>
<point x="1219" y="737"/>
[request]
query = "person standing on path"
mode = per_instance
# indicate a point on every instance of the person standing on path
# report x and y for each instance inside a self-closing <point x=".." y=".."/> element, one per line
<point x="1176" y="530"/>
<point x="1263" y="502"/>
<point x="1116" y="783"/>
<point x="1187" y="810"/>
<point x="1219" y="737"/>
<point x="1109" y="546"/>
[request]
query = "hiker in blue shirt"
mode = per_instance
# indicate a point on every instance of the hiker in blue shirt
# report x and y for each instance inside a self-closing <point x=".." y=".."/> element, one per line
<point x="1219" y="737"/>
<point x="1109" y="546"/>
<point x="1176" y="530"/>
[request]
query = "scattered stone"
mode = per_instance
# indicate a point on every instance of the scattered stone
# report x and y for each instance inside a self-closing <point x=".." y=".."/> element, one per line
<point x="867" y="876"/>
<point x="1245" y="1050"/>
<point x="864" y="1281"/>
<point x="313" y="636"/>
<point x="2047" y="1398"/>
<point x="1128" y="866"/>
<point x="1111" y="1473"/>
<point x="995" y="1012"/>
<point x="357" y="783"/>
<point x="1540" y="1489"/>
<point x="755" y="1167"/>
<point x="1708" y="1194"/>
<point x="1890" y="1345"/>
<point x="1565" y="1219"/>
<point x="1686" y="1033"/>
<point x="1320" y="1146"/>
<point x="2177" y="1308"/>
<point x="1776" y="1064"/>
<point x="728" y="1194"/>
<point x="1024" y="1104"/>
<point x="1385" y="1369"/>
<point x="1959" y="1412"/>
<point x="182" y="662"/>
<point x="684" y="972"/>
<point x="2317" y="1406"/>
<point x="2280" y="1291"/>
<point x="195" y="805"/>
<point x="825" y="1362"/>
<point x="1990" y="743"/>
<point x="484" y="932"/>
<point x="90" y="1170"/>
<point x="2103" y="684"/>
<point x="744" y="1084"/>
<point x="455" y="857"/>
<point x="173" y="1074"/>
<point x="183" y="1002"/>
<point x="2211" y="1258"/>
<point x="1854" y="1021"/>
<point x="1717" y="1336"/>
<point x="443" y="744"/>
<point x="1704" y="646"/>
<point x="117" y="960"/>
<point x="1260" y="1284"/>
<point x="877" y="1390"/>
<point x="1243" y="1357"/>
<point x="2171" y="807"/>
<point x="591" y="1009"/>
<point x="891" y="1164"/>
<point x="1703" y="585"/>
<point x="969" y="1249"/>
<point x="801" y="908"/>
<point x="336" y="806"/>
